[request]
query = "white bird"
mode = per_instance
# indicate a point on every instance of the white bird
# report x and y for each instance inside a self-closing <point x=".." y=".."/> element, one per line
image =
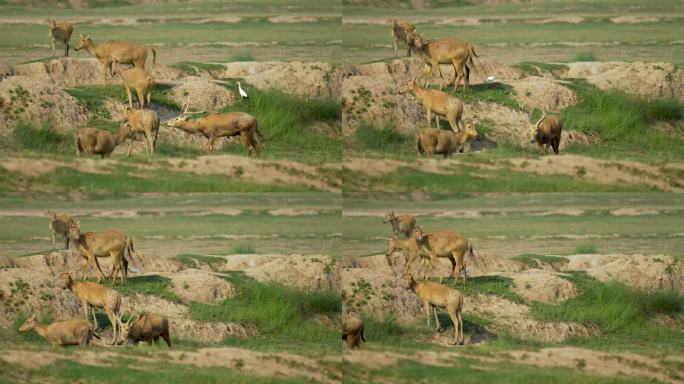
<point x="491" y="79"/>
<point x="243" y="94"/>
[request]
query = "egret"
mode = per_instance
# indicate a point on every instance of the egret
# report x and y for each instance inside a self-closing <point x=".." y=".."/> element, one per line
<point x="243" y="94"/>
<point x="491" y="79"/>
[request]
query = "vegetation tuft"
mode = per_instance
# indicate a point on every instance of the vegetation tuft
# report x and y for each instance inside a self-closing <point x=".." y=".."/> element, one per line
<point x="43" y="139"/>
<point x="386" y="139"/>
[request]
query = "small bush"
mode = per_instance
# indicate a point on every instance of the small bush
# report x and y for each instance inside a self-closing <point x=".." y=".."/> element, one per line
<point x="242" y="249"/>
<point x="43" y="139"/>
<point x="242" y="56"/>
<point x="585" y="56"/>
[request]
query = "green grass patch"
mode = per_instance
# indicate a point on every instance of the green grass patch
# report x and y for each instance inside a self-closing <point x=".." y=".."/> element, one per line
<point x="386" y="139"/>
<point x="495" y="92"/>
<point x="585" y="249"/>
<point x="242" y="56"/>
<point x="195" y="67"/>
<point x="533" y="260"/>
<point x="585" y="56"/>
<point x="489" y="285"/>
<point x="535" y="68"/>
<point x="623" y="314"/>
<point x="146" y="285"/>
<point x="282" y="314"/>
<point x="191" y="260"/>
<point x="41" y="139"/>
<point x="243" y="249"/>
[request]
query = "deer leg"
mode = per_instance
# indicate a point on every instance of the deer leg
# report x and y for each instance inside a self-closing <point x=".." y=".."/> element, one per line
<point x="93" y="260"/>
<point x="150" y="141"/>
<point x="429" y="118"/>
<point x="112" y="320"/>
<point x="94" y="312"/>
<point x="428" y="307"/>
<point x="53" y="47"/>
<point x="395" y="47"/>
<point x="454" y="319"/>
<point x="66" y="242"/>
<point x="244" y="137"/>
<point x="412" y="257"/>
<point x="141" y="98"/>
<point x="426" y="74"/>
<point x="66" y="49"/>
<point x="453" y="266"/>
<point x="210" y="145"/>
<point x="52" y="233"/>
<point x="434" y="311"/>
<point x="84" y="267"/>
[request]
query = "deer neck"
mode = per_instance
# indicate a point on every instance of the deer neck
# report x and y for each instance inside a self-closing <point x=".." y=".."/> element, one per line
<point x="40" y="329"/>
<point x="191" y="126"/>
<point x="121" y="135"/>
<point x="421" y="93"/>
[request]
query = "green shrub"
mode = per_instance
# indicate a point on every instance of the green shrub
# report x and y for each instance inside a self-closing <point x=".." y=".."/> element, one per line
<point x="385" y="139"/>
<point x="585" y="56"/>
<point x="242" y="56"/>
<point x="43" y="139"/>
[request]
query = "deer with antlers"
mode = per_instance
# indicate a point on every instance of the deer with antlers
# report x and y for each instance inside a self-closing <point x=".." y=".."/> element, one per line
<point x="215" y="125"/>
<point x="546" y="132"/>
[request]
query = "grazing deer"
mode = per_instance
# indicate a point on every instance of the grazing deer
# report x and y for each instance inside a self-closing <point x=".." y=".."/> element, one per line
<point x="125" y="52"/>
<point x="215" y="125"/>
<point x="59" y="333"/>
<point x="547" y="132"/>
<point x="444" y="51"/>
<point x="146" y="327"/>
<point x="441" y="103"/>
<point x="59" y="223"/>
<point x="96" y="296"/>
<point x="438" y="141"/>
<point x="94" y="141"/>
<point x="138" y="79"/>
<point x="60" y="31"/>
<point x="352" y="331"/>
<point x="399" y="31"/>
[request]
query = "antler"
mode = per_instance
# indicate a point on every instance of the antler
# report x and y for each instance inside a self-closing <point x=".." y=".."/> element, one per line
<point x="186" y="105"/>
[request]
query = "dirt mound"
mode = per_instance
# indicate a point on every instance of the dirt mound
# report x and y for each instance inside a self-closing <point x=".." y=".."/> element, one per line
<point x="71" y="72"/>
<point x="542" y="93"/>
<point x="6" y="69"/>
<point x="644" y="79"/>
<point x="197" y="285"/>
<point x="541" y="285"/>
<point x="308" y="272"/>
<point x="310" y="79"/>
<point x="29" y="99"/>
<point x="204" y="94"/>
<point x="652" y="272"/>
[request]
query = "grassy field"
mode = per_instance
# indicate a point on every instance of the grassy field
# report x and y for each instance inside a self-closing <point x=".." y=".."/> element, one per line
<point x="201" y="30"/>
<point x="546" y="31"/>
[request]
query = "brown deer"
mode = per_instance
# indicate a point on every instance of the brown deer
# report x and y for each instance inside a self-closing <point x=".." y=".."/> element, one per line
<point x="60" y="31"/>
<point x="402" y="224"/>
<point x="59" y="223"/>
<point x="109" y="243"/>
<point x="94" y="141"/>
<point x="547" y="132"/>
<point x="142" y="121"/>
<point x="438" y="141"/>
<point x="59" y="333"/>
<point x="215" y="125"/>
<point x="435" y="296"/>
<point x="125" y="52"/>
<point x="444" y="243"/>
<point x="449" y="50"/>
<point x="96" y="296"/>
<point x="399" y="31"/>
<point x="146" y="327"/>
<point x="138" y="79"/>
<point x="352" y="331"/>
<point x="441" y="103"/>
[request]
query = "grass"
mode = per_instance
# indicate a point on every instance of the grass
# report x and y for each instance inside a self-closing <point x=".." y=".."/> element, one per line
<point x="586" y="249"/>
<point x="535" y="68"/>
<point x="282" y="314"/>
<point x="489" y="285"/>
<point x="242" y="249"/>
<point x="191" y="260"/>
<point x="623" y="314"/>
<point x="585" y="56"/>
<point x="535" y="260"/>
<point x="42" y="139"/>
<point x="146" y="285"/>
<point x="242" y="56"/>
<point x="385" y="140"/>
<point x="195" y="67"/>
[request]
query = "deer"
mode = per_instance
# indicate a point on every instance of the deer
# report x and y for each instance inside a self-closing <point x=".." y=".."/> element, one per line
<point x="96" y="296"/>
<point x="59" y="224"/>
<point x="352" y="331"/>
<point x="142" y="121"/>
<point x="215" y="125"/>
<point x="449" y="50"/>
<point x="138" y="79"/>
<point x="146" y="327"/>
<point x="547" y="133"/>
<point x="402" y="224"/>
<point x="434" y="296"/>
<point x="94" y="141"/>
<point x="125" y="52"/>
<point x="61" y="333"/>
<point x="443" y="243"/>
<point x="399" y="31"/>
<point x="108" y="243"/>
<point x="441" y="103"/>
<point x="60" y="31"/>
<point x="411" y="245"/>
<point x="431" y="141"/>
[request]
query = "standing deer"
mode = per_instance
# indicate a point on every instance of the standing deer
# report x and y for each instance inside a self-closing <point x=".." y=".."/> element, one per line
<point x="59" y="223"/>
<point x="138" y="79"/>
<point x="547" y="132"/>
<point x="107" y="243"/>
<point x="402" y="224"/>
<point x="444" y="243"/>
<point x="60" y="31"/>
<point x="142" y="121"/>
<point x="449" y="50"/>
<point x="399" y="31"/>
<point x="215" y="125"/>
<point x="125" y="52"/>
<point x="441" y="103"/>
